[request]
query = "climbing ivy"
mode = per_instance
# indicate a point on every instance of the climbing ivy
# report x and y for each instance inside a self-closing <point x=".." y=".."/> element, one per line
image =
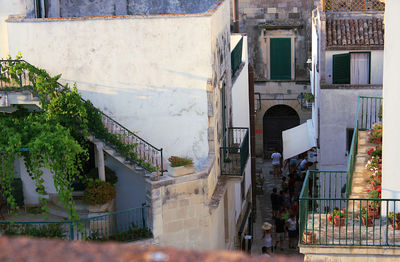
<point x="55" y="136"/>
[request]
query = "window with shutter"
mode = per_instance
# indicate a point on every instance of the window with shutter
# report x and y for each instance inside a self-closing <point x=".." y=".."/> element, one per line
<point x="280" y="58"/>
<point x="341" y="69"/>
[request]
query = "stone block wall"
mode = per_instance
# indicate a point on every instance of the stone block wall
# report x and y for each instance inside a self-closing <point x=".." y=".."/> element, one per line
<point x="255" y="13"/>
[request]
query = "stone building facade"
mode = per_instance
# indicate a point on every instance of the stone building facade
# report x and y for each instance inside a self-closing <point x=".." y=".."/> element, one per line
<point x="279" y="33"/>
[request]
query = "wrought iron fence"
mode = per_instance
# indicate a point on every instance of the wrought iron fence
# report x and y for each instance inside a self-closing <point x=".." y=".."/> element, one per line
<point x="353" y="5"/>
<point x="234" y="156"/>
<point x="127" y="225"/>
<point x="325" y="191"/>
<point x="329" y="218"/>
<point x="146" y="152"/>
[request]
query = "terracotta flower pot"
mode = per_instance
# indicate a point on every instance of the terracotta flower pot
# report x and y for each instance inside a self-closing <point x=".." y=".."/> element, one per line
<point x="396" y="224"/>
<point x="370" y="221"/>
<point x="374" y="212"/>
<point x="338" y="221"/>
<point x="309" y="237"/>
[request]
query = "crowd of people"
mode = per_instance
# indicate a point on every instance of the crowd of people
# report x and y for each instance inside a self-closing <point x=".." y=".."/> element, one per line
<point x="285" y="204"/>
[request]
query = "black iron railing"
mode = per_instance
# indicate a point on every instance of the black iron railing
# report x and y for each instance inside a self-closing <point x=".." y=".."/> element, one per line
<point x="235" y="154"/>
<point x="149" y="157"/>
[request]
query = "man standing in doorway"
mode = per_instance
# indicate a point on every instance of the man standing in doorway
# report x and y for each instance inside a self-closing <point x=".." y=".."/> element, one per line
<point x="277" y="163"/>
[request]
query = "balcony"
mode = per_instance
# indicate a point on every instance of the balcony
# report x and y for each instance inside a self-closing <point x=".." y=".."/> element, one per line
<point x="235" y="152"/>
<point x="335" y="210"/>
<point x="353" y="5"/>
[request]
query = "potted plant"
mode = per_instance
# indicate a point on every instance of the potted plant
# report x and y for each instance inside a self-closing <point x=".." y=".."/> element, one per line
<point x="366" y="219"/>
<point x="100" y="196"/>
<point x="309" y="97"/>
<point x="309" y="237"/>
<point x="394" y="219"/>
<point x="374" y="208"/>
<point x="337" y="217"/>
<point x="180" y="166"/>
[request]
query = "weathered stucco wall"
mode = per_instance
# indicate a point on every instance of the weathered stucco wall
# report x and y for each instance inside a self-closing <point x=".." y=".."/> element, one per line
<point x="79" y="8"/>
<point x="152" y="79"/>
<point x="337" y="113"/>
<point x="130" y="187"/>
<point x="31" y="197"/>
<point x="10" y="7"/>
<point x="376" y="65"/>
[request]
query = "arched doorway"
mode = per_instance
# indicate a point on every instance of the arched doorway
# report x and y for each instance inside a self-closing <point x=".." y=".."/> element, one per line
<point x="277" y="119"/>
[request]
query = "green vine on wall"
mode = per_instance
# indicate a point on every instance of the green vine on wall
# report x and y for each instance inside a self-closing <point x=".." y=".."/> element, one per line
<point x="54" y="136"/>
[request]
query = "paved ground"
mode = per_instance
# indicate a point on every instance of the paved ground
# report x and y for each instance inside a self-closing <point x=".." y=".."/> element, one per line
<point x="264" y="211"/>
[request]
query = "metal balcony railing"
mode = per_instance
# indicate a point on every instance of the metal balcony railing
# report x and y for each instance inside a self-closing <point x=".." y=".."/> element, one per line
<point x="353" y="5"/>
<point x="357" y="221"/>
<point x="234" y="156"/>
<point x="147" y="154"/>
<point x="125" y="225"/>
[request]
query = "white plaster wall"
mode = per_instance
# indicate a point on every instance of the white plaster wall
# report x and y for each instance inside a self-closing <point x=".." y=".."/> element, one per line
<point x="145" y="72"/>
<point x="391" y="95"/>
<point x="241" y="113"/>
<point x="337" y="113"/>
<point x="31" y="197"/>
<point x="130" y="188"/>
<point x="9" y="7"/>
<point x="376" y="65"/>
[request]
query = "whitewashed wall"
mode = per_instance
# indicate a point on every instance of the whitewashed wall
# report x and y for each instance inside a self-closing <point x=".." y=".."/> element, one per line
<point x="337" y="113"/>
<point x="130" y="188"/>
<point x="241" y="113"/>
<point x="391" y="95"/>
<point x="376" y="65"/>
<point x="31" y="197"/>
<point x="144" y="71"/>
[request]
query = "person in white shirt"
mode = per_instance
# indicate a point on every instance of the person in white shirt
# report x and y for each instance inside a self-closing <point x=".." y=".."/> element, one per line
<point x="277" y="163"/>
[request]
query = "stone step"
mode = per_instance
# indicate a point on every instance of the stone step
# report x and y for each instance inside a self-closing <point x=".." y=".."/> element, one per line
<point x="62" y="213"/>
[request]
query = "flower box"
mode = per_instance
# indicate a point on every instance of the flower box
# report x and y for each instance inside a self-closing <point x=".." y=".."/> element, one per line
<point x="180" y="171"/>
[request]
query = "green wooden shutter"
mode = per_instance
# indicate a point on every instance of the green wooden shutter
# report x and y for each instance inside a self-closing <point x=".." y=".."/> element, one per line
<point x="341" y="69"/>
<point x="280" y="58"/>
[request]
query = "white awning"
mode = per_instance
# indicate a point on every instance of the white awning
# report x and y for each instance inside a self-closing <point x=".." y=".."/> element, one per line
<point x="298" y="139"/>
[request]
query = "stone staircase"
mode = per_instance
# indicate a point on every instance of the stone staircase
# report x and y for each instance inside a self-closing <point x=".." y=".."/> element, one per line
<point x="361" y="174"/>
<point x="56" y="207"/>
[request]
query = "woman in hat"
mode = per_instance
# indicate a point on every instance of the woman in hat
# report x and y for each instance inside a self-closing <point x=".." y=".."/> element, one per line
<point x="267" y="236"/>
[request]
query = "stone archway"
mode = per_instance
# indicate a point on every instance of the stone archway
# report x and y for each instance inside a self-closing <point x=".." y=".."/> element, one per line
<point x="277" y="119"/>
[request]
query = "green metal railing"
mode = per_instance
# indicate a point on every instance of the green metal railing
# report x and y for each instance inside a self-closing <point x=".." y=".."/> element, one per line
<point x="361" y="222"/>
<point x="234" y="156"/>
<point x="236" y="56"/>
<point x="324" y="191"/>
<point x="146" y="152"/>
<point x="353" y="5"/>
<point x="126" y="225"/>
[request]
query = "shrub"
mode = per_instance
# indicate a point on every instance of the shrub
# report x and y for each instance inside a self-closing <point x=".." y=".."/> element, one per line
<point x="180" y="161"/>
<point x="46" y="231"/>
<point x="98" y="193"/>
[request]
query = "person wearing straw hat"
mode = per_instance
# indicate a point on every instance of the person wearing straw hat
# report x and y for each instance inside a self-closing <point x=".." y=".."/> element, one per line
<point x="267" y="236"/>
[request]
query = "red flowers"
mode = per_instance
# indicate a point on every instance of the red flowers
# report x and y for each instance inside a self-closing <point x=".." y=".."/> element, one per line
<point x="370" y="151"/>
<point x="379" y="189"/>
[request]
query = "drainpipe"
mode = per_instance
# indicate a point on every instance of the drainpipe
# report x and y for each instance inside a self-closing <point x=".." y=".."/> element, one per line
<point x="235" y="16"/>
<point x="252" y="139"/>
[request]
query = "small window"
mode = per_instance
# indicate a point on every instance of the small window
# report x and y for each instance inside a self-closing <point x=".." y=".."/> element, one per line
<point x="280" y="58"/>
<point x="351" y="68"/>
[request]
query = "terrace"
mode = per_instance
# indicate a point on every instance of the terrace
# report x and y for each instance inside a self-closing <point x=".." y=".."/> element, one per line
<point x="353" y="5"/>
<point x="336" y="211"/>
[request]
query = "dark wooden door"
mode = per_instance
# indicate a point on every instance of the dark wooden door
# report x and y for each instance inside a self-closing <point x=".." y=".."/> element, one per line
<point x="277" y="119"/>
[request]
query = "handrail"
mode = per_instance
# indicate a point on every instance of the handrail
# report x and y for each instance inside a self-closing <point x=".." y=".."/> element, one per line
<point x="330" y="184"/>
<point x="143" y="149"/>
<point x="102" y="227"/>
